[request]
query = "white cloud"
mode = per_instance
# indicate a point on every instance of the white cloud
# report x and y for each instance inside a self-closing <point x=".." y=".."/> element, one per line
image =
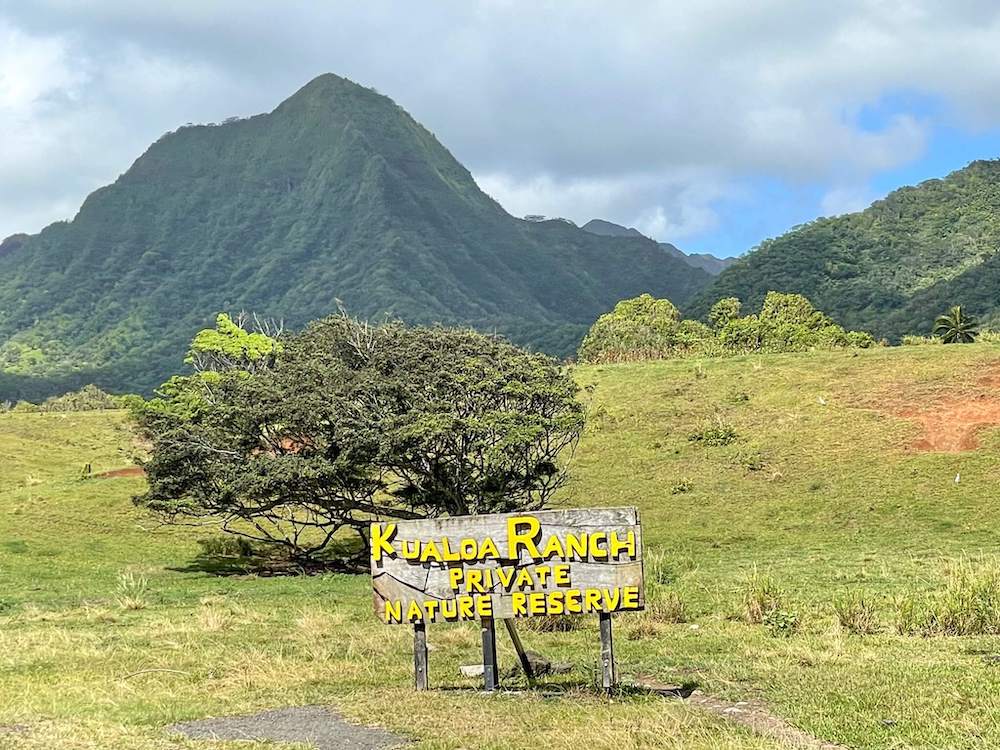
<point x="645" y="114"/>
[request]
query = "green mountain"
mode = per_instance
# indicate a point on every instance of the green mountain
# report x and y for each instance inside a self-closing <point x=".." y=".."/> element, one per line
<point x="338" y="195"/>
<point x="705" y="261"/>
<point x="891" y="268"/>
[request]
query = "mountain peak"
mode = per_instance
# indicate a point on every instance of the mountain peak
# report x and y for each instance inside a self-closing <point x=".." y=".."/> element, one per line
<point x="338" y="194"/>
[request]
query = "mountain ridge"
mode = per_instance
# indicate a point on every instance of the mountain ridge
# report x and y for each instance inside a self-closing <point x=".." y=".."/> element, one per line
<point x="705" y="261"/>
<point x="892" y="267"/>
<point x="337" y="196"/>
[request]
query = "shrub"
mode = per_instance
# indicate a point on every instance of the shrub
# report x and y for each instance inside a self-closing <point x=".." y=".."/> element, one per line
<point x="714" y="434"/>
<point x="781" y="623"/>
<point x="760" y="598"/>
<point x="642" y="328"/>
<point x="988" y="336"/>
<point x="646" y="328"/>
<point x="857" y="614"/>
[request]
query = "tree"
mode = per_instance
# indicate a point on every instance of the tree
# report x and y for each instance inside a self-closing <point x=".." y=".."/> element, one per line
<point x="956" y="327"/>
<point x="352" y="423"/>
<point x="723" y="311"/>
<point x="639" y="328"/>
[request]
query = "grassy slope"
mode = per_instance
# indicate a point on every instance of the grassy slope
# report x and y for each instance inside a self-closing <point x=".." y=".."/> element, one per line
<point x="840" y="506"/>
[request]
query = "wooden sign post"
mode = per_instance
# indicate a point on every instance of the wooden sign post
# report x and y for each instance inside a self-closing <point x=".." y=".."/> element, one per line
<point x="557" y="562"/>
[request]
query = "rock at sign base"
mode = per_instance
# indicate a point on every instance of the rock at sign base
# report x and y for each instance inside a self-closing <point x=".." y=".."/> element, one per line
<point x="471" y="670"/>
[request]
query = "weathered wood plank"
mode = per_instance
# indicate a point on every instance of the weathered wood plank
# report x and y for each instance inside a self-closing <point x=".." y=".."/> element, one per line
<point x="608" y="676"/>
<point x="491" y="672"/>
<point x="611" y="562"/>
<point x="420" y="665"/>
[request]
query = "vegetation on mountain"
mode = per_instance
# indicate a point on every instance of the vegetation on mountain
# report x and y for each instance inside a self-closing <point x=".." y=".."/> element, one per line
<point x="892" y="267"/>
<point x="705" y="261"/>
<point x="646" y="328"/>
<point x="347" y="421"/>
<point x="337" y="196"/>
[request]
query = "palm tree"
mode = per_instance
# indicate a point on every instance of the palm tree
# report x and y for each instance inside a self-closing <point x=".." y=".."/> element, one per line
<point x="955" y="327"/>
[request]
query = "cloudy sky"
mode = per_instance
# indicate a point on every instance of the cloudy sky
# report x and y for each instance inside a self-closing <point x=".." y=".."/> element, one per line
<point x="711" y="124"/>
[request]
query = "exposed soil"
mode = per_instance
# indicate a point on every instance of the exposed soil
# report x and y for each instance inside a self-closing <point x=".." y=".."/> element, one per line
<point x="952" y="415"/>
<point x="128" y="471"/>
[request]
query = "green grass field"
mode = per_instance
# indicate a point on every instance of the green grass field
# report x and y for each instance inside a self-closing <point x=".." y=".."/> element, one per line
<point x="819" y="491"/>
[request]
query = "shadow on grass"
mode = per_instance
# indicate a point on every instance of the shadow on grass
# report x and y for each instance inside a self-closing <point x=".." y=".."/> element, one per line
<point x="240" y="557"/>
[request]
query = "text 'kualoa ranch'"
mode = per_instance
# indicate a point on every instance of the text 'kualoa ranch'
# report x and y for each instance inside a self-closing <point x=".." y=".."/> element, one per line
<point x="528" y="587"/>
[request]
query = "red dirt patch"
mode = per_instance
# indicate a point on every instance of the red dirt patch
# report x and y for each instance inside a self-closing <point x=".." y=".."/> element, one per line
<point x="951" y="416"/>
<point x="128" y="471"/>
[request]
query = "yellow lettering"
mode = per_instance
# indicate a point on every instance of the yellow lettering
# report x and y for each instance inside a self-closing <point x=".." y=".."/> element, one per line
<point x="560" y="575"/>
<point x="446" y="552"/>
<point x="518" y="603"/>
<point x="524" y="579"/>
<point x="536" y="603"/>
<point x="506" y="575"/>
<point x="616" y="546"/>
<point x="411" y="549"/>
<point x="430" y="552"/>
<point x="449" y="609"/>
<point x="592" y="599"/>
<point x="484" y="606"/>
<point x="553" y="548"/>
<point x="455" y="577"/>
<point x="393" y="611"/>
<point x="573" y="604"/>
<point x="576" y="546"/>
<point x="542" y="572"/>
<point x="414" y="613"/>
<point x="630" y="597"/>
<point x="555" y="603"/>
<point x="596" y="551"/>
<point x="522" y="532"/>
<point x="468" y="549"/>
<point x="488" y="549"/>
<point x="465" y="607"/>
<point x="611" y="599"/>
<point x="381" y="538"/>
<point x="474" y="580"/>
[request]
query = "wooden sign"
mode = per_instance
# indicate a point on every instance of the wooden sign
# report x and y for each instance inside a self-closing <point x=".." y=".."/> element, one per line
<point x="556" y="562"/>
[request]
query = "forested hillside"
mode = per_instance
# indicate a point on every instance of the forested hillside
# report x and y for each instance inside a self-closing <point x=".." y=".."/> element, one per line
<point x="891" y="268"/>
<point x="338" y="195"/>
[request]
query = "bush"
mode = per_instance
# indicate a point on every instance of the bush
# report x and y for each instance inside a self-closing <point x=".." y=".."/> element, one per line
<point x="780" y="623"/>
<point x="642" y="328"/>
<point x="857" y="614"/>
<point x="88" y="398"/>
<point x="714" y="434"/>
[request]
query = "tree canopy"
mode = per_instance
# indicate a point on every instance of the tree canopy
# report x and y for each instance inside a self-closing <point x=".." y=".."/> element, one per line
<point x="352" y="422"/>
<point x="647" y="328"/>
